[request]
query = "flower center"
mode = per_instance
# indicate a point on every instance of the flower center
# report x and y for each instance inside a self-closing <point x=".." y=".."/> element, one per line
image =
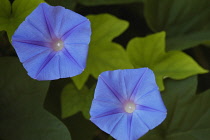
<point x="58" y="45"/>
<point x="129" y="107"/>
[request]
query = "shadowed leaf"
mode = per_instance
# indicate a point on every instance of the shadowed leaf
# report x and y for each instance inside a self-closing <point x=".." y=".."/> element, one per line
<point x="22" y="114"/>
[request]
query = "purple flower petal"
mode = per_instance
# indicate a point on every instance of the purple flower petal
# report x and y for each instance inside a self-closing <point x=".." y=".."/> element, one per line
<point x="105" y="92"/>
<point x="37" y="63"/>
<point x="108" y="123"/>
<point x="145" y="84"/>
<point x="64" y="21"/>
<point x="25" y="53"/>
<point x="69" y="66"/>
<point x="127" y="103"/>
<point x="76" y="34"/>
<point x="49" y="65"/>
<point x="151" y="118"/>
<point x="98" y="109"/>
<point x="153" y="100"/>
<point x="151" y="105"/>
<point x="138" y="127"/>
<point x="129" y="127"/>
<point x="34" y="27"/>
<point x="79" y="53"/>
<point x="121" y="130"/>
<point x="52" y="42"/>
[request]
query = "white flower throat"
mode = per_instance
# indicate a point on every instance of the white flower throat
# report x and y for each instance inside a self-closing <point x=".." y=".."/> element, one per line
<point x="130" y="107"/>
<point x="58" y="45"/>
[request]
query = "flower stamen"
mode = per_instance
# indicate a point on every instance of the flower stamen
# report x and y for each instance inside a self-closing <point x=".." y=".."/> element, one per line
<point x="58" y="45"/>
<point x="130" y="107"/>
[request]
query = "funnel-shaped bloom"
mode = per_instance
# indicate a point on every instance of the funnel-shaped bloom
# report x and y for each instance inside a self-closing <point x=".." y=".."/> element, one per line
<point x="127" y="103"/>
<point x="52" y="42"/>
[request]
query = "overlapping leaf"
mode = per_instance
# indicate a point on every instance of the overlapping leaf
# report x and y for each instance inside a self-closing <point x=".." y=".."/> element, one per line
<point x="186" y="22"/>
<point x="12" y="15"/>
<point x="74" y="100"/>
<point x="188" y="113"/>
<point x="22" y="114"/>
<point x="103" y="53"/>
<point x="150" y="52"/>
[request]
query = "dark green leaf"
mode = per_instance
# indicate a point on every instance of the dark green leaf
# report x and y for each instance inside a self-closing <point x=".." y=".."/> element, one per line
<point x="81" y="128"/>
<point x="21" y="106"/>
<point x="150" y="52"/>
<point x="186" y="22"/>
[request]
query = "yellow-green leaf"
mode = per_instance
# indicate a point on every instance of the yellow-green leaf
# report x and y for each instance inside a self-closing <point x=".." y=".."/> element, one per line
<point x="150" y="52"/>
<point x="12" y="15"/>
<point x="74" y="100"/>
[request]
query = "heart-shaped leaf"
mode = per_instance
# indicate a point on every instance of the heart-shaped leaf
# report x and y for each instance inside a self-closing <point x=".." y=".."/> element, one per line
<point x="21" y="106"/>
<point x="150" y="52"/>
<point x="186" y="22"/>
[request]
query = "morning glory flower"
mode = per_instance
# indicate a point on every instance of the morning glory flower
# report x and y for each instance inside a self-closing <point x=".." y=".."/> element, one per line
<point x="52" y="42"/>
<point x="127" y="103"/>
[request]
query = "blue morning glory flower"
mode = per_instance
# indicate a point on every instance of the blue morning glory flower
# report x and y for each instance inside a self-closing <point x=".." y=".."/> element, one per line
<point x="127" y="103"/>
<point x="52" y="42"/>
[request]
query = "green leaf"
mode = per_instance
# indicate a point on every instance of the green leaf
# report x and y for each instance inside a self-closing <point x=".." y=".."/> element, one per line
<point x="188" y="113"/>
<point x="74" y="100"/>
<point x="82" y="129"/>
<point x="80" y="80"/>
<point x="106" y="2"/>
<point x="5" y="9"/>
<point x="22" y="114"/>
<point x="150" y="52"/>
<point x="69" y="4"/>
<point x="103" y="53"/>
<point x="12" y="16"/>
<point x="186" y="22"/>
